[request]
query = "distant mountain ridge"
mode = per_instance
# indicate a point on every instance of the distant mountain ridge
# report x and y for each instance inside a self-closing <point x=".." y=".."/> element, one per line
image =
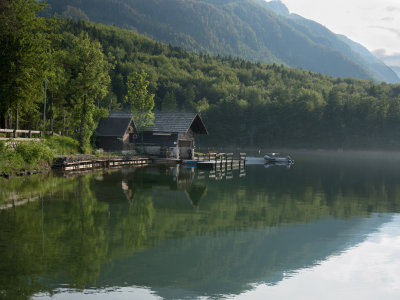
<point x="396" y="70"/>
<point x="251" y="29"/>
<point x="355" y="51"/>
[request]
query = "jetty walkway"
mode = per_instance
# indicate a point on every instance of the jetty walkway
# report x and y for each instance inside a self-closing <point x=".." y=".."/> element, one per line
<point x="218" y="161"/>
<point x="83" y="163"/>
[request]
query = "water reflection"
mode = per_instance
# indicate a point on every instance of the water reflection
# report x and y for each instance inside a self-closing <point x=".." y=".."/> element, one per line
<point x="368" y="270"/>
<point x="183" y="232"/>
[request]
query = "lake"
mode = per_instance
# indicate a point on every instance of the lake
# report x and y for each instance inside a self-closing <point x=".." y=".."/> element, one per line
<point x="327" y="227"/>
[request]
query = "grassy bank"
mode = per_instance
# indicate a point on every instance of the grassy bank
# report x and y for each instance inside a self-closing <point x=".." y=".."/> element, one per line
<point x="30" y="157"/>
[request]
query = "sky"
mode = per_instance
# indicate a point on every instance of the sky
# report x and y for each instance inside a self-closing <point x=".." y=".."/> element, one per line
<point x="375" y="24"/>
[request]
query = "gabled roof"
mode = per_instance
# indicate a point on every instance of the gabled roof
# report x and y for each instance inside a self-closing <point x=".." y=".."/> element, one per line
<point x="177" y="122"/>
<point x="113" y="125"/>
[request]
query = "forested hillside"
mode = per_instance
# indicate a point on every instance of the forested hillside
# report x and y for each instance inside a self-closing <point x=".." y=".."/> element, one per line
<point x="246" y="103"/>
<point x="254" y="30"/>
<point x="242" y="103"/>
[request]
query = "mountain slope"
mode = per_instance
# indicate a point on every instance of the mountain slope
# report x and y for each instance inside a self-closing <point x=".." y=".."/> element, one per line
<point x="250" y="29"/>
<point x="397" y="70"/>
<point x="341" y="43"/>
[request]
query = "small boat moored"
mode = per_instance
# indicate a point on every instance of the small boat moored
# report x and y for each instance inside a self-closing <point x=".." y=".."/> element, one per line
<point x="275" y="158"/>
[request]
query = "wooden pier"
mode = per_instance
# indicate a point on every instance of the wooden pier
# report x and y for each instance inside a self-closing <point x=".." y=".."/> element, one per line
<point x="98" y="163"/>
<point x="220" y="161"/>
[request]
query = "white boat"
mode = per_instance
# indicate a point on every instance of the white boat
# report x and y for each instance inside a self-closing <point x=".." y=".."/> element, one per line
<point x="274" y="157"/>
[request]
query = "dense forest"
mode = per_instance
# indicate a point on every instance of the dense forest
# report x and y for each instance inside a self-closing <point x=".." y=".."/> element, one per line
<point x="86" y="66"/>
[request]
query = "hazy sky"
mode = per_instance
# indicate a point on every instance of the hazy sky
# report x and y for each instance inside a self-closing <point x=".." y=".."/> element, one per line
<point x="373" y="23"/>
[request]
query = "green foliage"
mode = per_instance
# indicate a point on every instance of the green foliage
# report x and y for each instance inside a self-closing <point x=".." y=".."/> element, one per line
<point x="263" y="105"/>
<point x="33" y="152"/>
<point x="2" y="147"/>
<point x="89" y="80"/>
<point x="140" y="101"/>
<point x="63" y="144"/>
<point x="24" y="48"/>
<point x="26" y="156"/>
<point x="242" y="103"/>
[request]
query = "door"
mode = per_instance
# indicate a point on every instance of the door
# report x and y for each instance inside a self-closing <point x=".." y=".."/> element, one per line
<point x="185" y="149"/>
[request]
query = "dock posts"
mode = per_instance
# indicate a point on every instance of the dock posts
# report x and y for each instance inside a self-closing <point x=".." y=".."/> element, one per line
<point x="222" y="158"/>
<point x="229" y="157"/>
<point x="221" y="161"/>
<point x="242" y="158"/>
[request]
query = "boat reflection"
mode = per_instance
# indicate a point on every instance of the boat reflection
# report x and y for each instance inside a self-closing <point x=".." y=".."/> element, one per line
<point x="279" y="164"/>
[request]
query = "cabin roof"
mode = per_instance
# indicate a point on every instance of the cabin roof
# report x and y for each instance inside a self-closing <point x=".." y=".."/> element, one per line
<point x="113" y="126"/>
<point x="172" y="122"/>
<point x="177" y="122"/>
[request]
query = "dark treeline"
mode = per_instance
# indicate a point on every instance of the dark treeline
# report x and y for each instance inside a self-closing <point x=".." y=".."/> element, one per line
<point x="242" y="103"/>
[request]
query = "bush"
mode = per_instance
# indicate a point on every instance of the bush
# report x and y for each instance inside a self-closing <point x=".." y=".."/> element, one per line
<point x="26" y="156"/>
<point x="99" y="152"/>
<point x="2" y="147"/>
<point x="14" y="162"/>
<point x="63" y="144"/>
<point x="33" y="152"/>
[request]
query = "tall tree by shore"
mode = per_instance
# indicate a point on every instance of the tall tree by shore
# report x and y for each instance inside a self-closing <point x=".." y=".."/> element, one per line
<point x="140" y="100"/>
<point x="89" y="80"/>
<point x="24" y="48"/>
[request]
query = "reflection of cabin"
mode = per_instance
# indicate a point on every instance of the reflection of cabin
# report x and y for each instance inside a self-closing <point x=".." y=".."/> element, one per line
<point x="172" y="135"/>
<point x="173" y="188"/>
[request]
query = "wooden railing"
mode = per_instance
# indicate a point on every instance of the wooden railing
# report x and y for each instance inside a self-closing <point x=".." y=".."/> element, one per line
<point x="14" y="133"/>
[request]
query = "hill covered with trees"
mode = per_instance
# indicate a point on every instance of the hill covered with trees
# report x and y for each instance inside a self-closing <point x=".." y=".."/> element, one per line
<point x="242" y="103"/>
<point x="254" y="30"/>
<point x="245" y="103"/>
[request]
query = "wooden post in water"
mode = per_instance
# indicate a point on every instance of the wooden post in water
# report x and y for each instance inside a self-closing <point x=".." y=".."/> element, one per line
<point x="44" y="109"/>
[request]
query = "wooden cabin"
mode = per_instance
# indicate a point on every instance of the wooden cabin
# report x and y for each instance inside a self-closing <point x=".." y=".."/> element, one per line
<point x="116" y="133"/>
<point x="171" y="136"/>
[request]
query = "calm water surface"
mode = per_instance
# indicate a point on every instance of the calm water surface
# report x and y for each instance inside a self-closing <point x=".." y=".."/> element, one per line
<point x="328" y="227"/>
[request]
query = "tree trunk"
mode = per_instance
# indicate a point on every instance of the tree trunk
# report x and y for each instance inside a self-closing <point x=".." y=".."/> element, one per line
<point x="63" y="127"/>
<point x="10" y="119"/>
<point x="81" y="142"/>
<point x="142" y="143"/>
<point x="16" y="121"/>
<point x="3" y="122"/>
<point x="51" y="115"/>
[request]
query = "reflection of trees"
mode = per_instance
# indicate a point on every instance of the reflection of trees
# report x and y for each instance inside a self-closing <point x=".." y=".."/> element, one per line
<point x="84" y="235"/>
<point x="20" y="252"/>
<point x="27" y="187"/>
<point x="61" y="237"/>
<point x="129" y="225"/>
<point x="90" y="220"/>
